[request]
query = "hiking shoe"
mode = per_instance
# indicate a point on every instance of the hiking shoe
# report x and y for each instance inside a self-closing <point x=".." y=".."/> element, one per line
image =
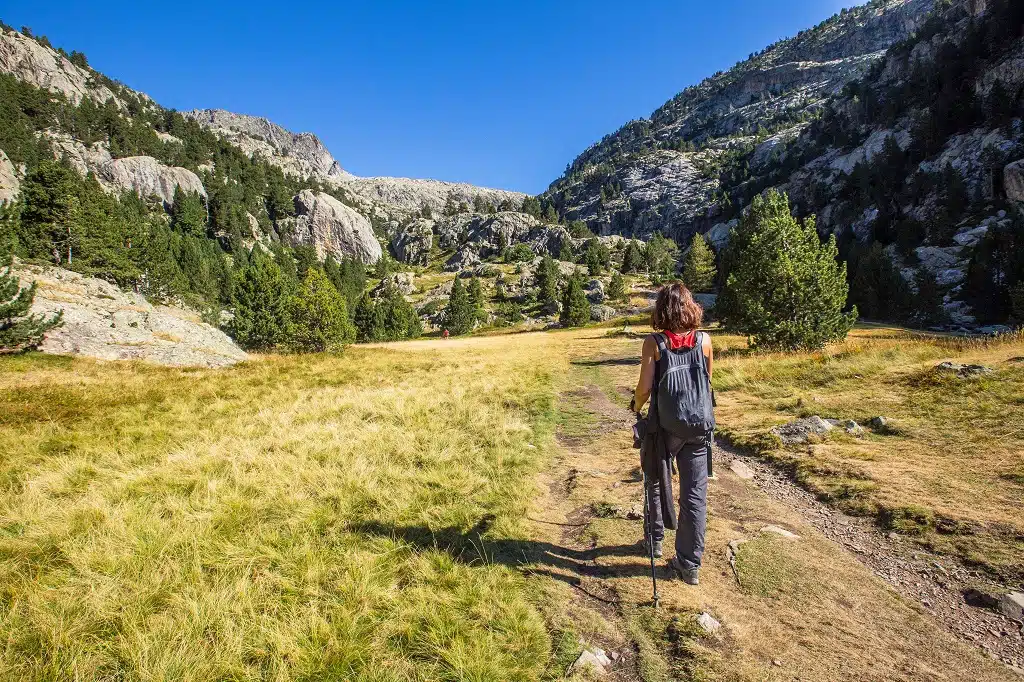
<point x="657" y="548"/>
<point x="690" y="576"/>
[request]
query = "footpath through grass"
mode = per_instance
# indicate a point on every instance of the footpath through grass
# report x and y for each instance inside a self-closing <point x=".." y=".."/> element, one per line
<point x="292" y="518"/>
<point x="948" y="468"/>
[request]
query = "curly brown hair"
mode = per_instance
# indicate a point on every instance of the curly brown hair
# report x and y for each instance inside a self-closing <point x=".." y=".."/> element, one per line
<point x="676" y="310"/>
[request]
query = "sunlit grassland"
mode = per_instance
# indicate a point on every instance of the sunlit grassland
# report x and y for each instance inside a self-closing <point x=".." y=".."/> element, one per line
<point x="291" y="518"/>
<point x="949" y="468"/>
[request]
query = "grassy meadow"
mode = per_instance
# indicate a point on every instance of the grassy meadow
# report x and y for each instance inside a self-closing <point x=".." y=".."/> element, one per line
<point x="405" y="512"/>
<point x="947" y="469"/>
<point x="291" y="518"/>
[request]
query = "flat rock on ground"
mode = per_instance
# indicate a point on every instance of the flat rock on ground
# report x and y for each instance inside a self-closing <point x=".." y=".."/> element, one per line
<point x="102" y="321"/>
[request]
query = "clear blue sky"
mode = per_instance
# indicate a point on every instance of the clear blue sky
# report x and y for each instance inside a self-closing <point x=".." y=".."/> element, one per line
<point x="498" y="93"/>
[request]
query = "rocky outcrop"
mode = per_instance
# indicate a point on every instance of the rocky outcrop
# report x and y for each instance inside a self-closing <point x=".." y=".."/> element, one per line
<point x="333" y="228"/>
<point x="102" y="321"/>
<point x="413" y="243"/>
<point x="412" y="195"/>
<point x="9" y="181"/>
<point x="657" y="184"/>
<point x="300" y="154"/>
<point x="84" y="159"/>
<point x="1013" y="181"/>
<point x="147" y="177"/>
<point x="28" y="60"/>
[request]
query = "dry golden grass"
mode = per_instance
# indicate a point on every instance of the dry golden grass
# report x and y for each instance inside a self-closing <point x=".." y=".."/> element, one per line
<point x="289" y="518"/>
<point x="950" y="468"/>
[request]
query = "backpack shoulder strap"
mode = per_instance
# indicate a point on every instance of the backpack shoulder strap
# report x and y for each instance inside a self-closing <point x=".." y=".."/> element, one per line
<point x="662" y="346"/>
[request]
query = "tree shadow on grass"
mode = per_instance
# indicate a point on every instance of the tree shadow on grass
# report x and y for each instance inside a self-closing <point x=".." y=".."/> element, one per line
<point x="609" y="362"/>
<point x="545" y="558"/>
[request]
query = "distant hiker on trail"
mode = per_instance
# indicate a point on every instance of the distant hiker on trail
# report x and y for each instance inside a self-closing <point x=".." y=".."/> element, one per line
<point x="675" y="374"/>
<point x="444" y="334"/>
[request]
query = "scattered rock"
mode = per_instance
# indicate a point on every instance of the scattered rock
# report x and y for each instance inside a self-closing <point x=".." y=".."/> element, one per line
<point x="708" y="623"/>
<point x="1013" y="181"/>
<point x="853" y="428"/>
<point x="602" y="313"/>
<point x="1012" y="605"/>
<point x="595" y="291"/>
<point x="734" y="546"/>
<point x="596" y="660"/>
<point x="963" y="371"/>
<point x="776" y="530"/>
<point x="742" y="470"/>
<point x="635" y="513"/>
<point x="879" y="423"/>
<point x="802" y="430"/>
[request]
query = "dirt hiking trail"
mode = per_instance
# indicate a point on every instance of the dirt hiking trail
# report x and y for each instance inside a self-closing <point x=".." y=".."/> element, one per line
<point x="804" y="601"/>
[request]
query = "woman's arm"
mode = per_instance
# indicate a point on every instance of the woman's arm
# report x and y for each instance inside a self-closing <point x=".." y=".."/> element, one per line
<point x="709" y="353"/>
<point x="646" y="382"/>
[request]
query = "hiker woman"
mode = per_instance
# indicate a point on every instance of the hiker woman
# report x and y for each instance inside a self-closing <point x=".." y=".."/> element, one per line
<point x="675" y="374"/>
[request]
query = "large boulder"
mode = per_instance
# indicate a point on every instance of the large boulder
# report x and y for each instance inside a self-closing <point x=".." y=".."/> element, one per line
<point x="463" y="259"/>
<point x="333" y="228"/>
<point x="146" y="176"/>
<point x="102" y="321"/>
<point x="413" y="243"/>
<point x="1013" y="181"/>
<point x="9" y="183"/>
<point x="485" y="230"/>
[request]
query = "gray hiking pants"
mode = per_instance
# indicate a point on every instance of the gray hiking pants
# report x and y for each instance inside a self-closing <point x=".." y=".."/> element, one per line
<point x="691" y="457"/>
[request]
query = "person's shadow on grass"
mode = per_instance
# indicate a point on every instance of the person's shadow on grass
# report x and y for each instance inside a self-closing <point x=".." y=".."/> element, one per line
<point x="532" y="556"/>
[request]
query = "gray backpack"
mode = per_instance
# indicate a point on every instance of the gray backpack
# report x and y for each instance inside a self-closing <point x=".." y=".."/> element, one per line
<point x="683" y="391"/>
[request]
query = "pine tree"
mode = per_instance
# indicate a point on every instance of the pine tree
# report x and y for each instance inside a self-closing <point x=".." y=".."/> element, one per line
<point x="20" y="330"/>
<point x="475" y="293"/>
<point x="928" y="302"/>
<point x="575" y="306"/>
<point x="459" y="316"/>
<point x="319" y="316"/>
<point x="786" y="289"/>
<point x="50" y="213"/>
<point x="632" y="258"/>
<point x="547" y="284"/>
<point x="367" y="319"/>
<point x="617" y="287"/>
<point x="398" y="319"/>
<point x="660" y="256"/>
<point x="262" y="305"/>
<point x="699" y="268"/>
<point x="596" y="257"/>
<point x="188" y="214"/>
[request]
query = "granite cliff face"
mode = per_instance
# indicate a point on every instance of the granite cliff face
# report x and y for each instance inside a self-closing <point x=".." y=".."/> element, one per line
<point x="659" y="175"/>
<point x="299" y="154"/>
<point x="43" y="67"/>
<point x="333" y="228"/>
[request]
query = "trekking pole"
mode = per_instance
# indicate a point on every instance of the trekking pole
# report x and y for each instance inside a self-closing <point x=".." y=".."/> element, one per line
<point x="649" y="537"/>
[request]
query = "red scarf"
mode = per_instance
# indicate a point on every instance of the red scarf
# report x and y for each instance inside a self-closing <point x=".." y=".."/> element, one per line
<point x="677" y="341"/>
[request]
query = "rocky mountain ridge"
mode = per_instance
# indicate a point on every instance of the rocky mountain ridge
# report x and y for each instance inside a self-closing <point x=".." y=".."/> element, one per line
<point x="658" y="175"/>
<point x="302" y="156"/>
